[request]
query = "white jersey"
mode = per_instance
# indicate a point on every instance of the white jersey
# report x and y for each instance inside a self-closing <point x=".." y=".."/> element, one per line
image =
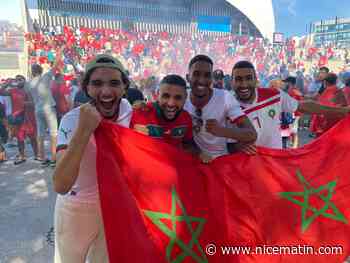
<point x="222" y="107"/>
<point x="265" y="114"/>
<point x="85" y="187"/>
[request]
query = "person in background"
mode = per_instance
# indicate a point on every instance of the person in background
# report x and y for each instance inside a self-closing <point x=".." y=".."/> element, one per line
<point x="3" y="133"/>
<point x="61" y="94"/>
<point x="80" y="99"/>
<point x="79" y="96"/>
<point x="323" y="73"/>
<point x="346" y="89"/>
<point x="330" y="96"/>
<point x="218" y="79"/>
<point x="132" y="94"/>
<point x="316" y="87"/>
<point x="149" y="89"/>
<point x="292" y="90"/>
<point x="23" y="125"/>
<point x="45" y="112"/>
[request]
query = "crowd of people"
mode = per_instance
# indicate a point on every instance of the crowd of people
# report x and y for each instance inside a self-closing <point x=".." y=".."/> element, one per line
<point x="30" y="109"/>
<point x="244" y="93"/>
<point x="147" y="54"/>
<point x="206" y="122"/>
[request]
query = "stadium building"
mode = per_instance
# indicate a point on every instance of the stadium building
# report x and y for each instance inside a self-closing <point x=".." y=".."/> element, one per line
<point x="334" y="31"/>
<point x="239" y="17"/>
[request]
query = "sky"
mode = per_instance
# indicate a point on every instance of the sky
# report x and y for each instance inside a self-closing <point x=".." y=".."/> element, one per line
<point x="10" y="10"/>
<point x="293" y="16"/>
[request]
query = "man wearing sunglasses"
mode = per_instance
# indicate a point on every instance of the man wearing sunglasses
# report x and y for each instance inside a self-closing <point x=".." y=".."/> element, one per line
<point x="211" y="109"/>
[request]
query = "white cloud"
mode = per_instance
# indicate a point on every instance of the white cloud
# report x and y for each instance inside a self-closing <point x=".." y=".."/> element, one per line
<point x="291" y="6"/>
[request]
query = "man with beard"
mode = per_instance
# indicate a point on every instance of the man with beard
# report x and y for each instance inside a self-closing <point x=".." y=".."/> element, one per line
<point x="21" y="117"/>
<point x="165" y="118"/>
<point x="211" y="109"/>
<point x="263" y="106"/>
<point x="78" y="222"/>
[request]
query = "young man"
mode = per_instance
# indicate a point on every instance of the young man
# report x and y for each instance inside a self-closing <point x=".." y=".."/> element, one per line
<point x="218" y="77"/>
<point x="3" y="132"/>
<point x="346" y="89"/>
<point x="132" y="94"/>
<point x="331" y="96"/>
<point x="264" y="106"/>
<point x="294" y="92"/>
<point x="316" y="87"/>
<point x="20" y="118"/>
<point x="61" y="94"/>
<point x="211" y="109"/>
<point x="78" y="222"/>
<point x="45" y="112"/>
<point x="165" y="118"/>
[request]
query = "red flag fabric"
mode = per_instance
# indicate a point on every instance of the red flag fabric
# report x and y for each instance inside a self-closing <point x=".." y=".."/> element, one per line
<point x="321" y="123"/>
<point x="160" y="205"/>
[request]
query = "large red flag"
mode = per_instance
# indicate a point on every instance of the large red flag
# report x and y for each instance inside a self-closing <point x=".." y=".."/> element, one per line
<point x="160" y="205"/>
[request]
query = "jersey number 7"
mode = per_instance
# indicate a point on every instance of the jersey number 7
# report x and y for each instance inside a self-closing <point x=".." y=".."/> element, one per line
<point x="256" y="120"/>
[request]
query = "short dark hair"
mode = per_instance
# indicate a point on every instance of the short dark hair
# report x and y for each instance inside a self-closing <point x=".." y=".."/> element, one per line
<point x="243" y="64"/>
<point x="174" y="79"/>
<point x="331" y="78"/>
<point x="200" y="57"/>
<point x="291" y="80"/>
<point x="324" y="69"/>
<point x="20" y="76"/>
<point x="218" y="74"/>
<point x="36" y="69"/>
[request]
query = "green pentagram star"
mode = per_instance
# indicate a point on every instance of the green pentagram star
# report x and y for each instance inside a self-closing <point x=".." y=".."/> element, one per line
<point x="308" y="191"/>
<point x="187" y="249"/>
<point x="272" y="113"/>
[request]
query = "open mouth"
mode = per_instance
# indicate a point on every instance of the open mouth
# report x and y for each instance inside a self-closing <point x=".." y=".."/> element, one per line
<point x="170" y="113"/>
<point x="244" y="92"/>
<point x="107" y="106"/>
<point x="201" y="92"/>
<point x="201" y="87"/>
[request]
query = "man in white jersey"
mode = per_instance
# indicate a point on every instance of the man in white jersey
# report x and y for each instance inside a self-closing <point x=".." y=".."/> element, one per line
<point x="211" y="109"/>
<point x="263" y="106"/>
<point x="78" y="222"/>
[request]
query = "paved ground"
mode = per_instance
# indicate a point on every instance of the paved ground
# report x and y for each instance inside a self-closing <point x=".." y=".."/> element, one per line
<point x="26" y="210"/>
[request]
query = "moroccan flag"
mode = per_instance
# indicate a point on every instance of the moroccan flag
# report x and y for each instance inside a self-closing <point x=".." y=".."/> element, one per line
<point x="154" y="200"/>
<point x="160" y="205"/>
